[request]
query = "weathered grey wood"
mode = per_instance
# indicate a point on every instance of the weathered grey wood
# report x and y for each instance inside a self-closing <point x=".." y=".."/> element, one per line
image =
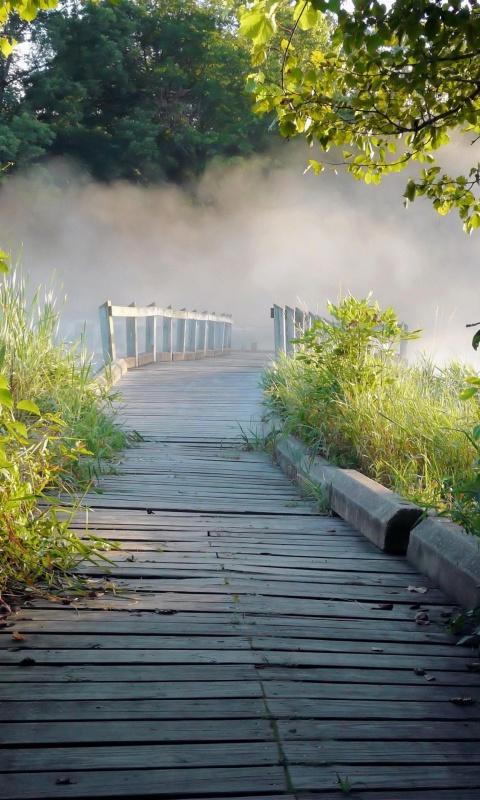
<point x="289" y="330"/>
<point x="279" y="330"/>
<point x="151" y="335"/>
<point x="152" y="782"/>
<point x="107" y="332"/>
<point x="392" y="777"/>
<point x="183" y="345"/>
<point x="182" y="756"/>
<point x="249" y="640"/>
<point x="131" y="325"/>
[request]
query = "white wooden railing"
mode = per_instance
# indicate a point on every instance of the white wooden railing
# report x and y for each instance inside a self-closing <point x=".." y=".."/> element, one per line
<point x="169" y="335"/>
<point x="289" y="324"/>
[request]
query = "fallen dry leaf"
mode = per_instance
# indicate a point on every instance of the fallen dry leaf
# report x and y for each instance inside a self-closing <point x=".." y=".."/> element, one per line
<point x="430" y="678"/>
<point x="19" y="637"/>
<point x="462" y="701"/>
<point x="377" y="650"/>
<point x="417" y="589"/>
<point x="474" y="666"/>
<point x="420" y="671"/>
<point x="421" y="618"/>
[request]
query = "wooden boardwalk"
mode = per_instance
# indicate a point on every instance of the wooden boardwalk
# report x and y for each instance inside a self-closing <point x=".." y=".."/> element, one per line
<point x="253" y="649"/>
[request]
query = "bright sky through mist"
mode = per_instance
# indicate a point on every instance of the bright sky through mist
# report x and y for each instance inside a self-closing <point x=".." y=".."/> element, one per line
<point x="255" y="235"/>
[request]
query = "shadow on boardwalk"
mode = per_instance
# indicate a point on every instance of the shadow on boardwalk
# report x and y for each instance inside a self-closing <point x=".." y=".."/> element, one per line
<point x="260" y="650"/>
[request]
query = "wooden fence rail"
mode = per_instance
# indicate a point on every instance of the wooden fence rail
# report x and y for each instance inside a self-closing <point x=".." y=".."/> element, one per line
<point x="169" y="335"/>
<point x="289" y="324"/>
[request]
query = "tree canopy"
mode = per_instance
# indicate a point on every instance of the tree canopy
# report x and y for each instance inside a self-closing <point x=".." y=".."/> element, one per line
<point x="142" y="90"/>
<point x="387" y="91"/>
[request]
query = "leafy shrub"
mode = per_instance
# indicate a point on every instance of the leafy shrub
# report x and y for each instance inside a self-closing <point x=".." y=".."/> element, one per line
<point x="55" y="424"/>
<point x="350" y="397"/>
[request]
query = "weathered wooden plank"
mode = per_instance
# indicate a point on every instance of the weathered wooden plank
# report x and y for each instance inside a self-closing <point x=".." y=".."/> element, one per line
<point x="325" y="777"/>
<point x="137" y="623"/>
<point x="145" y="783"/>
<point x="132" y="732"/>
<point x="293" y="657"/>
<point x="77" y="687"/>
<point x="107" y="757"/>
<point x="377" y="753"/>
<point x="288" y="670"/>
<point x="78" y="707"/>
<point x="151" y="708"/>
<point x="388" y="730"/>
<point x="369" y="707"/>
<point x="36" y="642"/>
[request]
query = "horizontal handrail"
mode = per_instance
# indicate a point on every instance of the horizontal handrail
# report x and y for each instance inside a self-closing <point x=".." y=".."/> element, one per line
<point x="184" y="335"/>
<point x="290" y="324"/>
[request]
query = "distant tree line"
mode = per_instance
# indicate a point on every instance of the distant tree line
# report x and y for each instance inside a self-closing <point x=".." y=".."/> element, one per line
<point x="141" y="90"/>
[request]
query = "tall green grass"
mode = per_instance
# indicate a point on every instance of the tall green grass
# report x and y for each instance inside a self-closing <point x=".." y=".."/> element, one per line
<point x="57" y="429"/>
<point x="402" y="425"/>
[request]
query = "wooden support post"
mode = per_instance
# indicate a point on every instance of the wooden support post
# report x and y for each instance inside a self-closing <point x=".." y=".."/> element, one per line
<point x="279" y="329"/>
<point x="180" y="339"/>
<point x="151" y="334"/>
<point x="289" y="330"/>
<point x="167" y="344"/>
<point x="107" y="332"/>
<point x="202" y="338"/>
<point x="190" y="335"/>
<point x="228" y="330"/>
<point x="131" y="327"/>
<point x="210" y="336"/>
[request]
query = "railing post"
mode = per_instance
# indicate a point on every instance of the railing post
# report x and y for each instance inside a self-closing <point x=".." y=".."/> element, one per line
<point x="228" y="335"/>
<point x="289" y="330"/>
<point x="151" y="334"/>
<point x="167" y="344"/>
<point x="201" y="338"/>
<point x="107" y="332"/>
<point x="190" y="335"/>
<point x="181" y="331"/>
<point x="131" y="327"/>
<point x="279" y="329"/>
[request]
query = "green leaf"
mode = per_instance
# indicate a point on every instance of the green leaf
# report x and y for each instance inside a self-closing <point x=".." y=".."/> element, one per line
<point x="476" y="340"/>
<point x="410" y="190"/>
<point x="7" y="45"/>
<point x="6" y="398"/>
<point x="256" y="25"/>
<point x="467" y="393"/>
<point x="28" y="405"/>
<point x="306" y="15"/>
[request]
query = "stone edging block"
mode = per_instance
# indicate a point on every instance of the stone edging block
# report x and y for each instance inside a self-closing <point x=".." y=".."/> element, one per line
<point x="381" y="515"/>
<point x="437" y="547"/>
<point x="449" y="556"/>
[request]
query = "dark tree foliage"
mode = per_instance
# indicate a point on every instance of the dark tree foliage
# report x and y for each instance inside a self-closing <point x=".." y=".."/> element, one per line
<point x="144" y="91"/>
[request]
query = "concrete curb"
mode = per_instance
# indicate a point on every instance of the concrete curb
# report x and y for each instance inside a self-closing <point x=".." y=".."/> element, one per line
<point x="436" y="546"/>
<point x="449" y="556"/>
<point x="381" y="515"/>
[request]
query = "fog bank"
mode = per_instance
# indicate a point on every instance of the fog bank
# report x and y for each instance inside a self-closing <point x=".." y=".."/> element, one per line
<point x="253" y="234"/>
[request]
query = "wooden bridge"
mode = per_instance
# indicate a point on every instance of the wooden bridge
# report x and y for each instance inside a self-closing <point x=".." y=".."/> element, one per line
<point x="252" y="648"/>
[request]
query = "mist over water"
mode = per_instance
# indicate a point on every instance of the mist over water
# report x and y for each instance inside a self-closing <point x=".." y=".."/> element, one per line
<point x="252" y="235"/>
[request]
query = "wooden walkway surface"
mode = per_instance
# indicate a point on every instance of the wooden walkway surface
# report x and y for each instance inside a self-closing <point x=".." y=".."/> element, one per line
<point x="254" y="649"/>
